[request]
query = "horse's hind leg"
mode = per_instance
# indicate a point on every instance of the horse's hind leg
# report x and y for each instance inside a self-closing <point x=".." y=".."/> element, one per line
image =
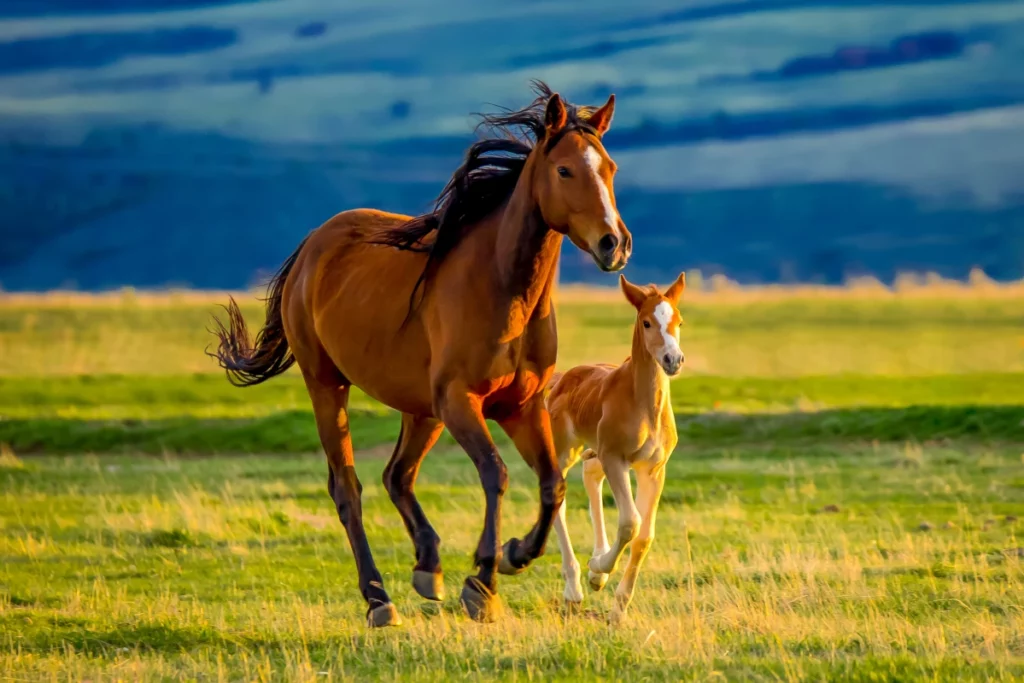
<point x="330" y="401"/>
<point x="417" y="437"/>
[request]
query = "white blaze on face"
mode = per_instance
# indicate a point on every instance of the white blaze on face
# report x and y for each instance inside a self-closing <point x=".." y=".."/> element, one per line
<point x="611" y="216"/>
<point x="663" y="314"/>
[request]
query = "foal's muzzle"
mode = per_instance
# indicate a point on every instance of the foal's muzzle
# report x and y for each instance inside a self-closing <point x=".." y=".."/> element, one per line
<point x="671" y="363"/>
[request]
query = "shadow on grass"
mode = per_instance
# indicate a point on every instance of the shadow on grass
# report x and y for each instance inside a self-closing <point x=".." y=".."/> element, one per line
<point x="913" y="423"/>
<point x="291" y="431"/>
<point x="294" y="431"/>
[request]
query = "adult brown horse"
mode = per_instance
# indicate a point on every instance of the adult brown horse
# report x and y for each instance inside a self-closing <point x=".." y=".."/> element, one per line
<point x="447" y="318"/>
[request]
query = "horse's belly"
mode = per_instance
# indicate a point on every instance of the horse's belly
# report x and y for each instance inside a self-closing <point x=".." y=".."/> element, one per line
<point x="394" y="373"/>
<point x="400" y="391"/>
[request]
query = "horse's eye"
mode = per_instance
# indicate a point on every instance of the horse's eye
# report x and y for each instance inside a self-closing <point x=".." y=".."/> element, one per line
<point x="564" y="172"/>
<point x="646" y="324"/>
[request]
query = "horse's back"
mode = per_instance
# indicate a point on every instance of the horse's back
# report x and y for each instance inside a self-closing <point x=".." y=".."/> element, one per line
<point x="347" y="262"/>
<point x="361" y="223"/>
<point x="353" y="229"/>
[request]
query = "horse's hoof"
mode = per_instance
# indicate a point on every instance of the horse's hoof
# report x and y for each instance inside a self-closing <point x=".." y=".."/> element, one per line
<point x="505" y="565"/>
<point x="479" y="602"/>
<point x="599" y="565"/>
<point x="597" y="580"/>
<point x="383" y="615"/>
<point x="617" y="616"/>
<point x="428" y="584"/>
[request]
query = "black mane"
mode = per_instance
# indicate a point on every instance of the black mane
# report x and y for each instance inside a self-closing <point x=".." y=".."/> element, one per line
<point x="484" y="181"/>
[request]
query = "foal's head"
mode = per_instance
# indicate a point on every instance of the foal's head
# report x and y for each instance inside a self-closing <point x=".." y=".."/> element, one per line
<point x="572" y="179"/>
<point x="657" y="321"/>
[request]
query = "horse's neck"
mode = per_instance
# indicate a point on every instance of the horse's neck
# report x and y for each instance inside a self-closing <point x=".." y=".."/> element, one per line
<point x="525" y="254"/>
<point x="650" y="383"/>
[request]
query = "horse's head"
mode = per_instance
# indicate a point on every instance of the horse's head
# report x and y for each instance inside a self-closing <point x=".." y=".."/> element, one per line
<point x="573" y="184"/>
<point x="658" y="320"/>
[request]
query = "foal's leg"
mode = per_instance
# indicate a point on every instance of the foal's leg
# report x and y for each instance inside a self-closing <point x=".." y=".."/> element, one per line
<point x="530" y="430"/>
<point x="649" y="484"/>
<point x="417" y="437"/>
<point x="329" y="407"/>
<point x="573" y="592"/>
<point x="570" y="566"/>
<point x="617" y="471"/>
<point x="593" y="482"/>
<point x="462" y="413"/>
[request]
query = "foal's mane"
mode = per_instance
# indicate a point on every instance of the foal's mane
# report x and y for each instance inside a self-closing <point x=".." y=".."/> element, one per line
<point x="484" y="181"/>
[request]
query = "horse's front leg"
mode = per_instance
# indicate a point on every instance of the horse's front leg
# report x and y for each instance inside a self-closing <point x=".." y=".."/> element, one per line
<point x="462" y="414"/>
<point x="530" y="431"/>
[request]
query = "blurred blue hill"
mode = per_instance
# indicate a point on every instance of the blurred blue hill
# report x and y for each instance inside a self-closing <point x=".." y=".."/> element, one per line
<point x="194" y="142"/>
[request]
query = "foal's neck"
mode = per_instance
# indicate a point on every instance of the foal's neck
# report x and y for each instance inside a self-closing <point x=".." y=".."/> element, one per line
<point x="650" y="383"/>
<point x="526" y="252"/>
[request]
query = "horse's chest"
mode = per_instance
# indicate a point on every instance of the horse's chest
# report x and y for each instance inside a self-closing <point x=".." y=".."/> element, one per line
<point x="519" y="371"/>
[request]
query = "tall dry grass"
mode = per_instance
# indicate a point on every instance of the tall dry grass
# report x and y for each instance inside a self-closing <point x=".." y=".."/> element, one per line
<point x="716" y="289"/>
<point x="919" y="326"/>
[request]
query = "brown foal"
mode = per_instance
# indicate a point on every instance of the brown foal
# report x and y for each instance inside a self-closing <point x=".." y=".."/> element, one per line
<point x="625" y="415"/>
<point x="447" y="318"/>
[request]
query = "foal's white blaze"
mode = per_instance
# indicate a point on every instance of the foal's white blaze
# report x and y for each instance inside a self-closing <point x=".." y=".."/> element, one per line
<point x="611" y="216"/>
<point x="663" y="314"/>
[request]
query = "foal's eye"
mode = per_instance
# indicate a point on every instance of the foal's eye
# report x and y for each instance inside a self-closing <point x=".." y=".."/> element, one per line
<point x="564" y="172"/>
<point x="646" y="324"/>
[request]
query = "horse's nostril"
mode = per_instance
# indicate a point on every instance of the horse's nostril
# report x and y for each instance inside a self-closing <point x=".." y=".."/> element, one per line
<point x="608" y="243"/>
<point x="668" y="359"/>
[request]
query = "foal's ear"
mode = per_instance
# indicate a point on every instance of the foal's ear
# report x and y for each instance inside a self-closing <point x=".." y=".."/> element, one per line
<point x="555" y="115"/>
<point x="601" y="119"/>
<point x="675" y="290"/>
<point x="634" y="295"/>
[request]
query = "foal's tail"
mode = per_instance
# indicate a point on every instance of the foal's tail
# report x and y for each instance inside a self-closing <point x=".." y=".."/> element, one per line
<point x="247" y="364"/>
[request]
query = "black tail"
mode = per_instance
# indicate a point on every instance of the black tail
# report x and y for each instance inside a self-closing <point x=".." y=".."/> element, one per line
<point x="245" y="363"/>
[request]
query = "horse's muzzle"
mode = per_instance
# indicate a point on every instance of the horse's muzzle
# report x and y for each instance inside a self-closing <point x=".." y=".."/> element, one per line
<point x="612" y="253"/>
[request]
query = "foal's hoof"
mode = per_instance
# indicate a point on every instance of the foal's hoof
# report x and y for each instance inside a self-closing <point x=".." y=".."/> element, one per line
<point x="428" y="584"/>
<point x="479" y="602"/>
<point x="597" y="581"/>
<point x="383" y="615"/>
<point x="603" y="564"/>
<point x="505" y="565"/>
<point x="574" y="594"/>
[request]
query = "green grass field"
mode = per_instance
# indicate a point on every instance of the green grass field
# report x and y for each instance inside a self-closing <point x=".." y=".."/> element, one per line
<point x="842" y="506"/>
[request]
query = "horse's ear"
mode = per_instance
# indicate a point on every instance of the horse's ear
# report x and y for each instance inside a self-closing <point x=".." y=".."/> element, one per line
<point x="634" y="295"/>
<point x="555" y="115"/>
<point x="601" y="119"/>
<point x="676" y="289"/>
